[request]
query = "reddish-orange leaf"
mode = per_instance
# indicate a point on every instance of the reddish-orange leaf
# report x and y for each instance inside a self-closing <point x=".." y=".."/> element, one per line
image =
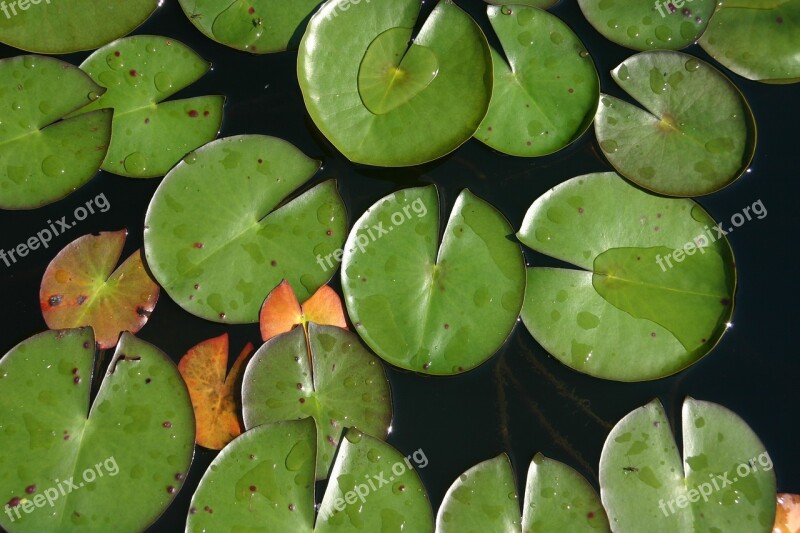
<point x="213" y="395"/>
<point x="787" y="519"/>
<point x="81" y="288"/>
<point x="281" y="311"/>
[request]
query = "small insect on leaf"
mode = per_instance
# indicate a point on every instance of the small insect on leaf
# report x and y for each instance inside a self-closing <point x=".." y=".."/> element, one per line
<point x="213" y="394"/>
<point x="282" y="312"/>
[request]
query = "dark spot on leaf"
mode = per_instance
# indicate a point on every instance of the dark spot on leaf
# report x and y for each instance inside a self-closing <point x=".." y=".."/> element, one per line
<point x="299" y="386"/>
<point x="74" y="370"/>
<point x="652" y="333"/>
<point x="196" y="286"/>
<point x="167" y="424"/>
<point x="193" y="113"/>
<point x="656" y="228"/>
<point x="570" y="90"/>
<point x="76" y="380"/>
<point x="148" y="380"/>
<point x="192" y="510"/>
<point x="30" y="489"/>
<point x="55" y="300"/>
<point x="206" y="113"/>
<point x="302" y="400"/>
<point x="590" y="515"/>
<point x="725" y="302"/>
<point x="133" y="73"/>
<point x="117" y="54"/>
<point x="529" y="143"/>
<point x="87" y="344"/>
<point x="252" y="457"/>
<point x="401" y="488"/>
<point x="363" y="279"/>
<point x="171" y="489"/>
<point x="291" y="507"/>
<point x="13" y="502"/>
<point x="253" y="488"/>
<point x="329" y="232"/>
<point x="580" y="210"/>
<point x="222" y="316"/>
<point x="426" y="366"/>
<point x="251" y="10"/>
<point x="686" y="12"/>
<point x="656" y="424"/>
<point x="703" y="340"/>
<point x="358" y="324"/>
<point x="273" y="263"/>
<point x="331" y="440"/>
<point x="208" y="509"/>
<point x="141" y="311"/>
<point x="180" y="477"/>
<point x="447" y="326"/>
<point x="147" y="121"/>
<point x="198" y="245"/>
<point x="489" y="128"/>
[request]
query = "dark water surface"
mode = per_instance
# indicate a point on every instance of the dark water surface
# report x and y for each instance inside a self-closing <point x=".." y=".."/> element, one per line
<point x="521" y="401"/>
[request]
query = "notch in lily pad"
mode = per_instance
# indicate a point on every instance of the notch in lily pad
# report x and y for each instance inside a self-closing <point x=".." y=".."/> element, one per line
<point x="128" y="451"/>
<point x="149" y="135"/>
<point x="557" y="498"/>
<point x="654" y="288"/>
<point x="725" y="481"/>
<point x="46" y="156"/>
<point x="429" y="307"/>
<point x="545" y="88"/>
<point x="386" y="99"/>
<point x="265" y="478"/>
<point x="81" y="288"/>
<point x="694" y="135"/>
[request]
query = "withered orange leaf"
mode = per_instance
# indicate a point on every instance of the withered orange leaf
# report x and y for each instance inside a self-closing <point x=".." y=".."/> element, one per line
<point x="787" y="519"/>
<point x="282" y="312"/>
<point x="213" y="394"/>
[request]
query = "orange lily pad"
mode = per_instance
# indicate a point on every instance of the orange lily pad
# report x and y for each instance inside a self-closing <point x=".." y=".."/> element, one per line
<point x="214" y="395"/>
<point x="81" y="288"/>
<point x="787" y="519"/>
<point x="282" y="311"/>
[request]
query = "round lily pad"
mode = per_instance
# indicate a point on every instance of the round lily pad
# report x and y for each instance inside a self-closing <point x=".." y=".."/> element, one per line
<point x="64" y="26"/>
<point x="545" y="96"/>
<point x="331" y="378"/>
<point x="217" y="240"/>
<point x="756" y="39"/>
<point x="383" y="100"/>
<point x="44" y="158"/>
<point x="264" y="480"/>
<point x="433" y="309"/>
<point x="648" y="25"/>
<point x="657" y="286"/>
<point x="149" y="137"/>
<point x="725" y="482"/>
<point x="257" y="26"/>
<point x="557" y="498"/>
<point x="114" y="467"/>
<point x="695" y="135"/>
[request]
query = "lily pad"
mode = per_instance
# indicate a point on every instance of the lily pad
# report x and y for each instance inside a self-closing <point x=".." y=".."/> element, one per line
<point x="756" y="39"/>
<point x="81" y="288"/>
<point x="657" y="285"/>
<point x="64" y="26"/>
<point x="44" y="158"/>
<point x="332" y="378"/>
<point x="257" y="26"/>
<point x="264" y="480"/>
<point x="436" y="312"/>
<point x="557" y="498"/>
<point x="724" y="483"/>
<point x="220" y="233"/>
<point x="282" y="312"/>
<point x="647" y="25"/>
<point x="213" y="394"/>
<point x="695" y="135"/>
<point x="545" y="96"/>
<point x="149" y="137"/>
<point x="382" y="101"/>
<point x="117" y="467"/>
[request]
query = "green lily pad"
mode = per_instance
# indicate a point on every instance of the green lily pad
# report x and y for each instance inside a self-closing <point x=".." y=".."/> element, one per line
<point x="382" y="101"/>
<point x="545" y="97"/>
<point x="541" y="4"/>
<point x="332" y="379"/>
<point x="117" y="467"/>
<point x="725" y="483"/>
<point x="557" y="498"/>
<point x="648" y="25"/>
<point x="64" y="26"/>
<point x="434" y="312"/>
<point x="640" y="309"/>
<point x="756" y="39"/>
<point x="81" y="288"/>
<point x="217" y="240"/>
<point x="44" y="158"/>
<point x="257" y="26"/>
<point x="149" y="137"/>
<point x="695" y="135"/>
<point x="264" y="481"/>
